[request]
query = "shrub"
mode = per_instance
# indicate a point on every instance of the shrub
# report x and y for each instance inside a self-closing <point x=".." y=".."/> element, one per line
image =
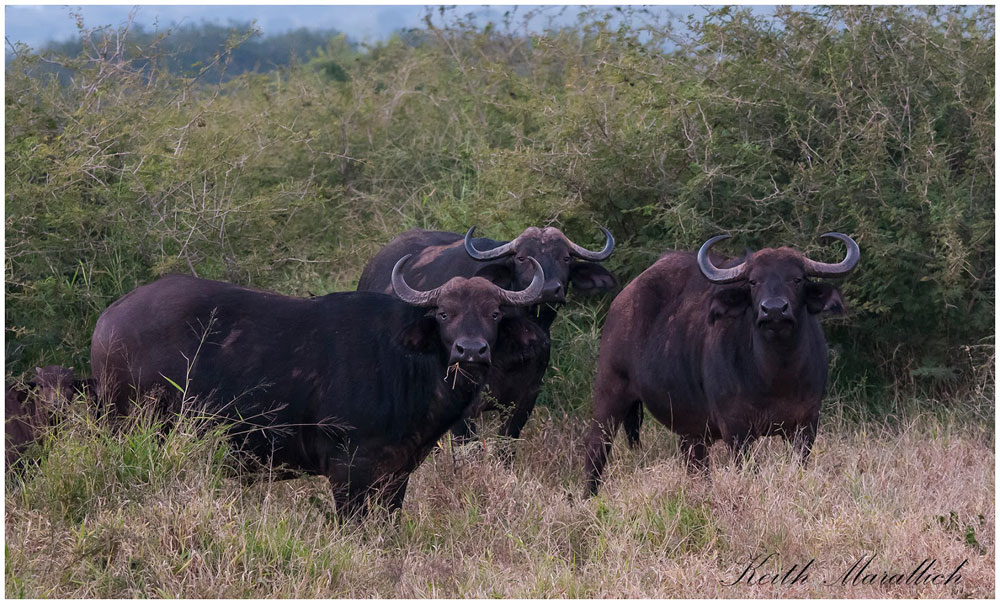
<point x="874" y="121"/>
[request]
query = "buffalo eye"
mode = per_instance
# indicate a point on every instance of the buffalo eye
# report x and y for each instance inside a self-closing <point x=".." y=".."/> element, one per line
<point x="443" y="315"/>
<point x="566" y="259"/>
<point x="496" y="315"/>
<point x="520" y="258"/>
<point x="752" y="283"/>
<point x="797" y="280"/>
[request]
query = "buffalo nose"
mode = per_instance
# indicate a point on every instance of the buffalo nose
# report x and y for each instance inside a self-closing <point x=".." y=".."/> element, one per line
<point x="553" y="292"/>
<point x="774" y="307"/>
<point x="470" y="350"/>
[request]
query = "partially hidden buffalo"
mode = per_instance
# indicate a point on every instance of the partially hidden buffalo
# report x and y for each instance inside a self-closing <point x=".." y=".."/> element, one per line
<point x="353" y="386"/>
<point x="729" y="353"/>
<point x="28" y="410"/>
<point x="440" y="255"/>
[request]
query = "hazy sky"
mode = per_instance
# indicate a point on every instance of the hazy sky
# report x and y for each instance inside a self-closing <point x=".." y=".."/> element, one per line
<point x="36" y="25"/>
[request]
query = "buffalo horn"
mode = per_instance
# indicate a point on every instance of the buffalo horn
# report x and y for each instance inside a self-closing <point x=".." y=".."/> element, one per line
<point x="823" y="269"/>
<point x="530" y="294"/>
<point x="579" y="252"/>
<point x="408" y="294"/>
<point x="497" y="252"/>
<point x="713" y="273"/>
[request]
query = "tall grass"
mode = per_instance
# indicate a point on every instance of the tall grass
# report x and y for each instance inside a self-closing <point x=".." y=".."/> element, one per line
<point x="137" y="512"/>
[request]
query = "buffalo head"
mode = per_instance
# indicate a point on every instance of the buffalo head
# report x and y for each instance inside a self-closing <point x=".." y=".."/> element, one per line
<point x="467" y="316"/>
<point x="561" y="260"/>
<point x="774" y="285"/>
<point x="55" y="383"/>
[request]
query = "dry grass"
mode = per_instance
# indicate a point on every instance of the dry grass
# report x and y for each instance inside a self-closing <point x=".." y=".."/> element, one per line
<point x="173" y="524"/>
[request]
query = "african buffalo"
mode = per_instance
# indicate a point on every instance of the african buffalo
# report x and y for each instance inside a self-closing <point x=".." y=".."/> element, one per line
<point x="353" y="386"/>
<point x="440" y="255"/>
<point x="57" y="384"/>
<point x="20" y="423"/>
<point x="716" y="353"/>
<point x="33" y="407"/>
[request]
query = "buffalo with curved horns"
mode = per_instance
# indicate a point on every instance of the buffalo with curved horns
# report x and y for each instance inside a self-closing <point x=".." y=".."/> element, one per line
<point x="354" y="386"/>
<point x="440" y="255"/>
<point x="717" y="350"/>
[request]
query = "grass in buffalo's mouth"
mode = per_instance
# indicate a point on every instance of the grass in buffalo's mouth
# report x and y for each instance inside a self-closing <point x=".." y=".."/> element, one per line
<point x="146" y="513"/>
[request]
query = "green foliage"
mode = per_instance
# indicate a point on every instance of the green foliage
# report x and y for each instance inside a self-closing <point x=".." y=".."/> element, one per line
<point x="673" y="522"/>
<point x="573" y="360"/>
<point x="873" y="121"/>
<point x="83" y="463"/>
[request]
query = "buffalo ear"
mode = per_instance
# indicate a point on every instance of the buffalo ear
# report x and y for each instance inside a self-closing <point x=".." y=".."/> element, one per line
<point x="420" y="336"/>
<point x="728" y="302"/>
<point x="518" y="340"/>
<point x="823" y="297"/>
<point x="590" y="277"/>
<point x="499" y="273"/>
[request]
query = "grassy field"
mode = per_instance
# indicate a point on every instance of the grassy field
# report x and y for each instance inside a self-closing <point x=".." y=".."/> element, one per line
<point x="130" y="515"/>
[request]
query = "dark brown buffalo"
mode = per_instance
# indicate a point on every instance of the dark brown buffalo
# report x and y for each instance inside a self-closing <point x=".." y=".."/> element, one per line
<point x="21" y="424"/>
<point x="716" y="353"/>
<point x="353" y="386"/>
<point x="440" y="255"/>
<point x="57" y="385"/>
<point x="29" y="410"/>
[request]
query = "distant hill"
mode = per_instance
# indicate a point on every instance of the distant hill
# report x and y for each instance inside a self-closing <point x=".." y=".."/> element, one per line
<point x="188" y="49"/>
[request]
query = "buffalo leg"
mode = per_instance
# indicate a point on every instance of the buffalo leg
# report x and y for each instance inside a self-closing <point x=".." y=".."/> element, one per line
<point x="360" y="499"/>
<point x="385" y="495"/>
<point x="346" y="507"/>
<point x="511" y="429"/>
<point x="740" y="444"/>
<point x="395" y="493"/>
<point x="516" y="393"/>
<point x="464" y="430"/>
<point x="803" y="438"/>
<point x="362" y="493"/>
<point x="351" y="487"/>
<point x="632" y="424"/>
<point x="524" y="403"/>
<point x="695" y="450"/>
<point x="611" y="406"/>
<point x="598" y="445"/>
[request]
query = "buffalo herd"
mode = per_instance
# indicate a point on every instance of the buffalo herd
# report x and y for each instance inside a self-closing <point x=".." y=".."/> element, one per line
<point x="360" y="386"/>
